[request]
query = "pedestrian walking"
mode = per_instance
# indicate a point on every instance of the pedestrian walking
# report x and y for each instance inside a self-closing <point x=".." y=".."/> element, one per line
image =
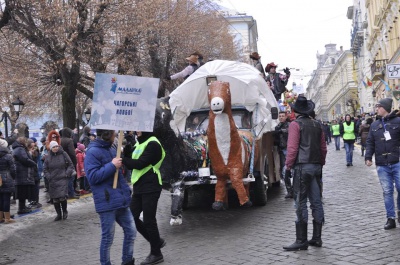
<point x="145" y="161"/>
<point x="384" y="141"/>
<point x="349" y="134"/>
<point x="276" y="80"/>
<point x="85" y="137"/>
<point x="111" y="204"/>
<point x="306" y="153"/>
<point x="281" y="135"/>
<point x="8" y="172"/>
<point x="336" y="134"/>
<point x="25" y="178"/>
<point x="80" y="169"/>
<point x="58" y="169"/>
<point x="364" y="131"/>
<point x="33" y="152"/>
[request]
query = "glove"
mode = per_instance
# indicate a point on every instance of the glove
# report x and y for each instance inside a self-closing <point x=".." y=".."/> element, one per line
<point x="287" y="71"/>
<point x="168" y="78"/>
<point x="128" y="150"/>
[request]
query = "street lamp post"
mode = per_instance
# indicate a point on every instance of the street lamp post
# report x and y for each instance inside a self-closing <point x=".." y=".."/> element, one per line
<point x="88" y="115"/>
<point x="18" y="107"/>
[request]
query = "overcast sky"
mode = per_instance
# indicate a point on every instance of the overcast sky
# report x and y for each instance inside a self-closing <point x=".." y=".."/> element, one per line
<point x="292" y="31"/>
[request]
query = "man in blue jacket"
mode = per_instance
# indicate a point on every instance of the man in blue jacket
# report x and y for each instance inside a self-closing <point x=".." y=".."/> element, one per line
<point x="112" y="205"/>
<point x="384" y="141"/>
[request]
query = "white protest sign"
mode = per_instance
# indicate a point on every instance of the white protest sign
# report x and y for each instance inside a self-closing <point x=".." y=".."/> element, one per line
<point x="393" y="71"/>
<point x="122" y="102"/>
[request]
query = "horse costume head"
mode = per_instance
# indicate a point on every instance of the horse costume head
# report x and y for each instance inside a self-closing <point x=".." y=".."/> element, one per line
<point x="219" y="97"/>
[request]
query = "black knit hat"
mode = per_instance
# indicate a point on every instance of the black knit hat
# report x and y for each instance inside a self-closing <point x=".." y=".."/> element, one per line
<point x="386" y="103"/>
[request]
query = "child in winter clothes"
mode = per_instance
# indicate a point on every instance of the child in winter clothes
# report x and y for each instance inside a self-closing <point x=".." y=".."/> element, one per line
<point x="80" y="169"/>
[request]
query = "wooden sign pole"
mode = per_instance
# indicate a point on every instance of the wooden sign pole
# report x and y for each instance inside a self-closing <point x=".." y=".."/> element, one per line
<point x="120" y="138"/>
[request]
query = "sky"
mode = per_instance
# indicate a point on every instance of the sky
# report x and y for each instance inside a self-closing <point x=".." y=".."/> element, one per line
<point x="290" y="32"/>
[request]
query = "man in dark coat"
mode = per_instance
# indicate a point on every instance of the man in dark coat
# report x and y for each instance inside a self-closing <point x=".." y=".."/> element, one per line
<point x="384" y="141"/>
<point x="306" y="153"/>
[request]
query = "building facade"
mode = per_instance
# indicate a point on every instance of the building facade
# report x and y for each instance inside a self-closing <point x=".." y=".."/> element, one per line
<point x="316" y="88"/>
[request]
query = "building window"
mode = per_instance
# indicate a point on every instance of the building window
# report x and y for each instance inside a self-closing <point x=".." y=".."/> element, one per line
<point x="332" y="60"/>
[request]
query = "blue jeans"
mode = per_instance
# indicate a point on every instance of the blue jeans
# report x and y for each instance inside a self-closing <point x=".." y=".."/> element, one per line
<point x="306" y="184"/>
<point x="337" y="142"/>
<point x="124" y="218"/>
<point x="387" y="175"/>
<point x="349" y="152"/>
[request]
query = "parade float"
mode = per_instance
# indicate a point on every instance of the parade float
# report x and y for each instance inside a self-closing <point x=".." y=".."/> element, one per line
<point x="227" y="145"/>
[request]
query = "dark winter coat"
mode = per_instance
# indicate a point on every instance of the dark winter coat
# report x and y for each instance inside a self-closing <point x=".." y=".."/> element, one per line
<point x="386" y="152"/>
<point x="67" y="144"/>
<point x="58" y="169"/>
<point x="364" y="130"/>
<point x="8" y="170"/>
<point x="26" y="167"/>
<point x="100" y="174"/>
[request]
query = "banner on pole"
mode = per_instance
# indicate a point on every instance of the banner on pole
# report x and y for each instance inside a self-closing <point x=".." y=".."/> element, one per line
<point x="122" y="102"/>
<point x="393" y="71"/>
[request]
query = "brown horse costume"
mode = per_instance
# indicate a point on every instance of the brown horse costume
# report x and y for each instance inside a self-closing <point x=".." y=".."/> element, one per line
<point x="228" y="151"/>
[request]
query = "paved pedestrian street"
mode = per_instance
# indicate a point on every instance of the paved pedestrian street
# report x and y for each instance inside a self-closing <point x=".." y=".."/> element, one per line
<point x="353" y="232"/>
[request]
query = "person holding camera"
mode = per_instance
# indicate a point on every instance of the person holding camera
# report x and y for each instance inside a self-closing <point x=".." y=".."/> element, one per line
<point x="281" y="134"/>
<point x="276" y="80"/>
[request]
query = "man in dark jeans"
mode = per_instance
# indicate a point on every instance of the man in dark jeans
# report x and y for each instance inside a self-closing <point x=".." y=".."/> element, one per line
<point x="145" y="160"/>
<point x="306" y="153"/>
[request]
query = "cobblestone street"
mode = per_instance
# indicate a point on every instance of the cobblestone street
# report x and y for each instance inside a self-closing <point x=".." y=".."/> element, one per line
<point x="353" y="232"/>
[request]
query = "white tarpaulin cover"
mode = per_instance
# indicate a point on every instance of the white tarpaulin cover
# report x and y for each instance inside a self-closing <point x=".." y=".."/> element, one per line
<point x="247" y="89"/>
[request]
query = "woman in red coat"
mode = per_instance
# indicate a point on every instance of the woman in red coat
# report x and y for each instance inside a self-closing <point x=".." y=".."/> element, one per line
<point x="80" y="169"/>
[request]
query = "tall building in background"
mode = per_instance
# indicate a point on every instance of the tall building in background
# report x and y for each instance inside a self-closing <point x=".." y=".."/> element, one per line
<point x="244" y="29"/>
<point x="316" y="88"/>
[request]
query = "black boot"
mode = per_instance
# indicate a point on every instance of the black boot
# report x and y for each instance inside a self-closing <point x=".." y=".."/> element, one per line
<point x="64" y="209"/>
<point x="390" y="224"/>
<point x="57" y="206"/>
<point x="289" y="194"/>
<point x="362" y="151"/>
<point x="398" y="217"/>
<point x="316" y="239"/>
<point x="301" y="242"/>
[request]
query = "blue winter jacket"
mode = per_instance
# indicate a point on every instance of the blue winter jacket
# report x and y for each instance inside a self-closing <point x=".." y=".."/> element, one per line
<point x="100" y="174"/>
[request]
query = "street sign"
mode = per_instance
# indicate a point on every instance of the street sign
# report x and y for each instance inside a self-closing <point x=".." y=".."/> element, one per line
<point x="393" y="71"/>
<point x="122" y="102"/>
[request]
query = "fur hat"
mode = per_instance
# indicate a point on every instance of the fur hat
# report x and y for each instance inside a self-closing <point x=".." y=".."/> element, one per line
<point x="386" y="103"/>
<point x="53" y="144"/>
<point x="33" y="139"/>
<point x="81" y="147"/>
<point x="193" y="59"/>
<point x="255" y="56"/>
<point x="269" y="66"/>
<point x="3" y="143"/>
<point x="303" y="106"/>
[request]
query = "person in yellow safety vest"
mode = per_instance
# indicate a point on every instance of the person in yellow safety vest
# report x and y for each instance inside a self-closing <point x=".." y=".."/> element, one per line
<point x="145" y="159"/>
<point x="348" y="132"/>
<point x="335" y="128"/>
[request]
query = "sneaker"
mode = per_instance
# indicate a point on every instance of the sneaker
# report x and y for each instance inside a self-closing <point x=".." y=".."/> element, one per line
<point x="390" y="224"/>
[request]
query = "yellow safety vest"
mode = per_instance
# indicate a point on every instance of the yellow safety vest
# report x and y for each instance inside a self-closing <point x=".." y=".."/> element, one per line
<point x="335" y="129"/>
<point x="348" y="131"/>
<point x="139" y="148"/>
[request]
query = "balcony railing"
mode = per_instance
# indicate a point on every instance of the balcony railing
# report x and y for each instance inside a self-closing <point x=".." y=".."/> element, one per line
<point x="377" y="69"/>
